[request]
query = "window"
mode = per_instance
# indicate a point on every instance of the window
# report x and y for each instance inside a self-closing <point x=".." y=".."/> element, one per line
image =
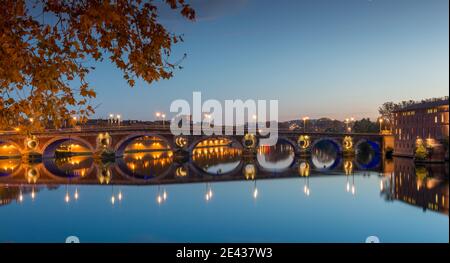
<point x="435" y="119"/>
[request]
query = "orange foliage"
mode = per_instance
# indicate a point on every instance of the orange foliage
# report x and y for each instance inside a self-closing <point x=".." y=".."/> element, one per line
<point x="47" y="48"/>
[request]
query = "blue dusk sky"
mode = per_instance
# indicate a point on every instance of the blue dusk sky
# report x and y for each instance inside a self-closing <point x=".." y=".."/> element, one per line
<point x="319" y="58"/>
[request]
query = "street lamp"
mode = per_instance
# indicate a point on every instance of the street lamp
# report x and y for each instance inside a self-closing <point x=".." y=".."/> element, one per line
<point x="118" y="119"/>
<point x="380" y="121"/>
<point x="347" y="122"/>
<point x="158" y="115"/>
<point x="304" y="123"/>
<point x="163" y="116"/>
<point x="111" y="118"/>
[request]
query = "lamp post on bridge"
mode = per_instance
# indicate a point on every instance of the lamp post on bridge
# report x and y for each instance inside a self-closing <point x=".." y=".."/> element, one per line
<point x="118" y="119"/>
<point x="347" y="122"/>
<point x="380" y="120"/>
<point x="304" y="123"/>
<point x="161" y="115"/>
<point x="114" y="119"/>
<point x="111" y="119"/>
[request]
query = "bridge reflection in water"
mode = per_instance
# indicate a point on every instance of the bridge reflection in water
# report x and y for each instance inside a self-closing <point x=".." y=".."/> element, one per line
<point x="148" y="161"/>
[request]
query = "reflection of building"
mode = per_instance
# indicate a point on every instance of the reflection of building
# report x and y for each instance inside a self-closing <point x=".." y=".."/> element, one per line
<point x="423" y="186"/>
<point x="211" y="156"/>
<point x="426" y="121"/>
<point x="276" y="152"/>
<point x="8" y="194"/>
<point x="15" y="193"/>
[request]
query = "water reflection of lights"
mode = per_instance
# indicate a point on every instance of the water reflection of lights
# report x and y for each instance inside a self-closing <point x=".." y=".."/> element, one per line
<point x="304" y="169"/>
<point x="348" y="167"/>
<point x="119" y="196"/>
<point x="249" y="171"/>
<point x="9" y="165"/>
<point x="33" y="194"/>
<point x="255" y="191"/>
<point x="20" y="194"/>
<point x="209" y="192"/>
<point x="147" y="164"/>
<point x="306" y="189"/>
<point x="76" y="195"/>
<point x="162" y="196"/>
<point x="67" y="197"/>
<point x="32" y="175"/>
<point x="217" y="160"/>
<point x="104" y="176"/>
<point x="350" y="187"/>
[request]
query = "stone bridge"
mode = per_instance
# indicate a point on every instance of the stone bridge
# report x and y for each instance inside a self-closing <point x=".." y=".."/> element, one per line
<point x="114" y="140"/>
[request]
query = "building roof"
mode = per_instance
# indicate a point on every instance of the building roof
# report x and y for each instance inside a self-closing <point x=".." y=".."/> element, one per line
<point x="425" y="104"/>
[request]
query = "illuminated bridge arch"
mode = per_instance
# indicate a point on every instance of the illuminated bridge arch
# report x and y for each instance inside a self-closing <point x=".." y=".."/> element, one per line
<point x="16" y="146"/>
<point x="51" y="168"/>
<point x="49" y="148"/>
<point x="125" y="142"/>
<point x="233" y="141"/>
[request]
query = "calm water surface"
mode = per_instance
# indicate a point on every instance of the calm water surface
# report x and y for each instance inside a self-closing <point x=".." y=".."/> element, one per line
<point x="218" y="195"/>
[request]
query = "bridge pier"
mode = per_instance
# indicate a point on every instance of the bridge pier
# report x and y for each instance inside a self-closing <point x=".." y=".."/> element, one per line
<point x="31" y="157"/>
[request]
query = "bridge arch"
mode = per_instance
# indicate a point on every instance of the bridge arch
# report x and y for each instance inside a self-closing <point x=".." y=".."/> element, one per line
<point x="292" y="143"/>
<point x="202" y="173"/>
<point x="234" y="141"/>
<point x="336" y="144"/>
<point x="331" y="165"/>
<point x="265" y="162"/>
<point x="121" y="145"/>
<point x="51" y="169"/>
<point x="375" y="160"/>
<point x="11" y="167"/>
<point x="373" y="144"/>
<point x="48" y="149"/>
<point x="19" y="148"/>
<point x="122" y="169"/>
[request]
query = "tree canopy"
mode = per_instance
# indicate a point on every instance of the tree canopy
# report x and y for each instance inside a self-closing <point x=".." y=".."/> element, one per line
<point x="47" y="48"/>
